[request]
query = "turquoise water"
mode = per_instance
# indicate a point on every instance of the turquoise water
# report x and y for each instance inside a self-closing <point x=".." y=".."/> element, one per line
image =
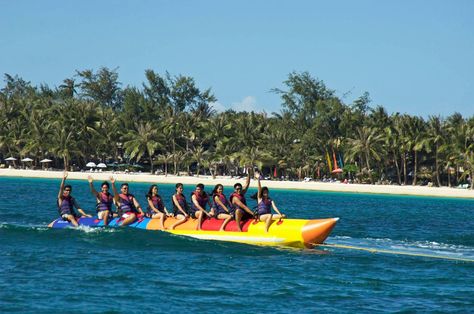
<point x="130" y="270"/>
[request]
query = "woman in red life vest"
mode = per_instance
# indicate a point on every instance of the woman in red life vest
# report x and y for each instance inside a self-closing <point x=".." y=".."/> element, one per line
<point x="156" y="208"/>
<point x="239" y="203"/>
<point x="199" y="200"/>
<point x="66" y="203"/>
<point x="104" y="200"/>
<point x="265" y="205"/>
<point x="221" y="205"/>
<point x="128" y="206"/>
<point x="180" y="206"/>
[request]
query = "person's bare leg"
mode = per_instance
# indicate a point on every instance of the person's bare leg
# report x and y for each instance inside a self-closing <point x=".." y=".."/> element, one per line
<point x="199" y="216"/>
<point x="72" y="220"/>
<point x="226" y="221"/>
<point x="182" y="219"/>
<point x="130" y="219"/>
<point x="106" y="218"/>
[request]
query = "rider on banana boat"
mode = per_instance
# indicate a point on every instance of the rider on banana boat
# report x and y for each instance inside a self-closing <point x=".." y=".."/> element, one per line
<point x="239" y="203"/>
<point x="199" y="200"/>
<point x="66" y="203"/>
<point x="221" y="205"/>
<point x="104" y="200"/>
<point x="127" y="204"/>
<point x="180" y="206"/>
<point x="156" y="208"/>
<point x="265" y="205"/>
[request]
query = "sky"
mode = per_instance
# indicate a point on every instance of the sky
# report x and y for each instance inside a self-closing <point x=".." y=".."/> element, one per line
<point x="412" y="56"/>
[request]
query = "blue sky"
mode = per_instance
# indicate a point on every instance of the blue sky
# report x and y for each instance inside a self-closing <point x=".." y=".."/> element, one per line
<point x="413" y="57"/>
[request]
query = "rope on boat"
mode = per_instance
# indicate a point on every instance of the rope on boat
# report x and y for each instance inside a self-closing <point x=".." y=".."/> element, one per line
<point x="372" y="250"/>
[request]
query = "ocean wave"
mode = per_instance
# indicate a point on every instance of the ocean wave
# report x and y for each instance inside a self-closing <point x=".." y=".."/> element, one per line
<point x="434" y="248"/>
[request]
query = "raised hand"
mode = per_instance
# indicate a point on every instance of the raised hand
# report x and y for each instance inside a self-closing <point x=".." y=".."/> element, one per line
<point x="65" y="174"/>
<point x="112" y="179"/>
<point x="89" y="178"/>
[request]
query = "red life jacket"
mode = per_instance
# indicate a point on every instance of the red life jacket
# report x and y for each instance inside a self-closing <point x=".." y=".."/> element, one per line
<point x="202" y="200"/>
<point x="158" y="203"/>
<point x="240" y="197"/>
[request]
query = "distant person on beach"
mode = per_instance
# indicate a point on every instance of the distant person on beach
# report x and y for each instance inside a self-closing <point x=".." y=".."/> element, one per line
<point x="180" y="206"/>
<point x="156" y="208"/>
<point x="104" y="200"/>
<point x="66" y="203"/>
<point x="239" y="203"/>
<point x="265" y="205"/>
<point x="199" y="200"/>
<point x="221" y="205"/>
<point x="127" y="204"/>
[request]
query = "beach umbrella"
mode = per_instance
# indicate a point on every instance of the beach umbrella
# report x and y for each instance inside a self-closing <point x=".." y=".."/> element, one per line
<point x="101" y="165"/>
<point x="26" y="159"/>
<point x="10" y="159"/>
<point x="91" y="164"/>
<point x="45" y="160"/>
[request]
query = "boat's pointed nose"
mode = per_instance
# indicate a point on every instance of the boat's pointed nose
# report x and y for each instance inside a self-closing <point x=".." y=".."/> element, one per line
<point x="316" y="231"/>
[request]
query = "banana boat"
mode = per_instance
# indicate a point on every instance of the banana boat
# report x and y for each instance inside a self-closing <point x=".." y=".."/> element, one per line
<point x="299" y="233"/>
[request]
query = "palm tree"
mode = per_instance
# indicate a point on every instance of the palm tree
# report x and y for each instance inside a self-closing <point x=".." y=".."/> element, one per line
<point x="417" y="141"/>
<point x="436" y="135"/>
<point x="165" y="159"/>
<point x="198" y="154"/>
<point x="369" y="143"/>
<point x="144" y="139"/>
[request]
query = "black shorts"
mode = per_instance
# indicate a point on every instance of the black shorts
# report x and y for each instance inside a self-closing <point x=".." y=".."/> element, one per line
<point x="245" y="215"/>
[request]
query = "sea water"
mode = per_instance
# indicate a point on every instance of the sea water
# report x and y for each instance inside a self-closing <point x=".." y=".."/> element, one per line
<point x="87" y="270"/>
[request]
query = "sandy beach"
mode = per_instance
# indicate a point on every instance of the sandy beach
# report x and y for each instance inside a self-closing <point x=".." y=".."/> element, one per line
<point x="227" y="181"/>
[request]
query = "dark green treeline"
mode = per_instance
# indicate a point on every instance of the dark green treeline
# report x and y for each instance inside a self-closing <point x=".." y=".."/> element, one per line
<point x="168" y="123"/>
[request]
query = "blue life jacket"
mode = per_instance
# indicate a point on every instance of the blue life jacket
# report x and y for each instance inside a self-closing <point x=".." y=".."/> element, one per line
<point x="265" y="206"/>
<point x="104" y="202"/>
<point x="126" y="203"/>
<point x="182" y="202"/>
<point x="217" y="207"/>
<point x="67" y="206"/>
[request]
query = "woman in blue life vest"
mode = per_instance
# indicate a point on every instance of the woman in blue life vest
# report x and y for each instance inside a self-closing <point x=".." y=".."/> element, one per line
<point x="239" y="203"/>
<point x="221" y="205"/>
<point x="156" y="207"/>
<point x="180" y="206"/>
<point x="66" y="203"/>
<point x="104" y="200"/>
<point x="128" y="206"/>
<point x="199" y="200"/>
<point x="265" y="205"/>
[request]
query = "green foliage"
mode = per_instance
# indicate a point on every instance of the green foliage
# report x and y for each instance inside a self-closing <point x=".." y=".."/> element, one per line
<point x="169" y="122"/>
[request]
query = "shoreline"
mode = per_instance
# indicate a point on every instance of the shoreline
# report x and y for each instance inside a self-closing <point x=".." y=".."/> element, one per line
<point x="227" y="181"/>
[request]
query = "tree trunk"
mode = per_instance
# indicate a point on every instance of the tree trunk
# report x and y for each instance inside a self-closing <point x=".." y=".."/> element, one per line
<point x="397" y="166"/>
<point x="368" y="167"/>
<point x="174" y="158"/>
<point x="404" y="160"/>
<point x="449" y="177"/>
<point x="151" y="164"/>
<point x="415" y="168"/>
<point x="65" y="163"/>
<point x="437" y="166"/>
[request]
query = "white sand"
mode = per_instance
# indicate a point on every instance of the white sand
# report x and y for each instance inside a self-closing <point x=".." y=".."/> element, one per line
<point x="227" y="181"/>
